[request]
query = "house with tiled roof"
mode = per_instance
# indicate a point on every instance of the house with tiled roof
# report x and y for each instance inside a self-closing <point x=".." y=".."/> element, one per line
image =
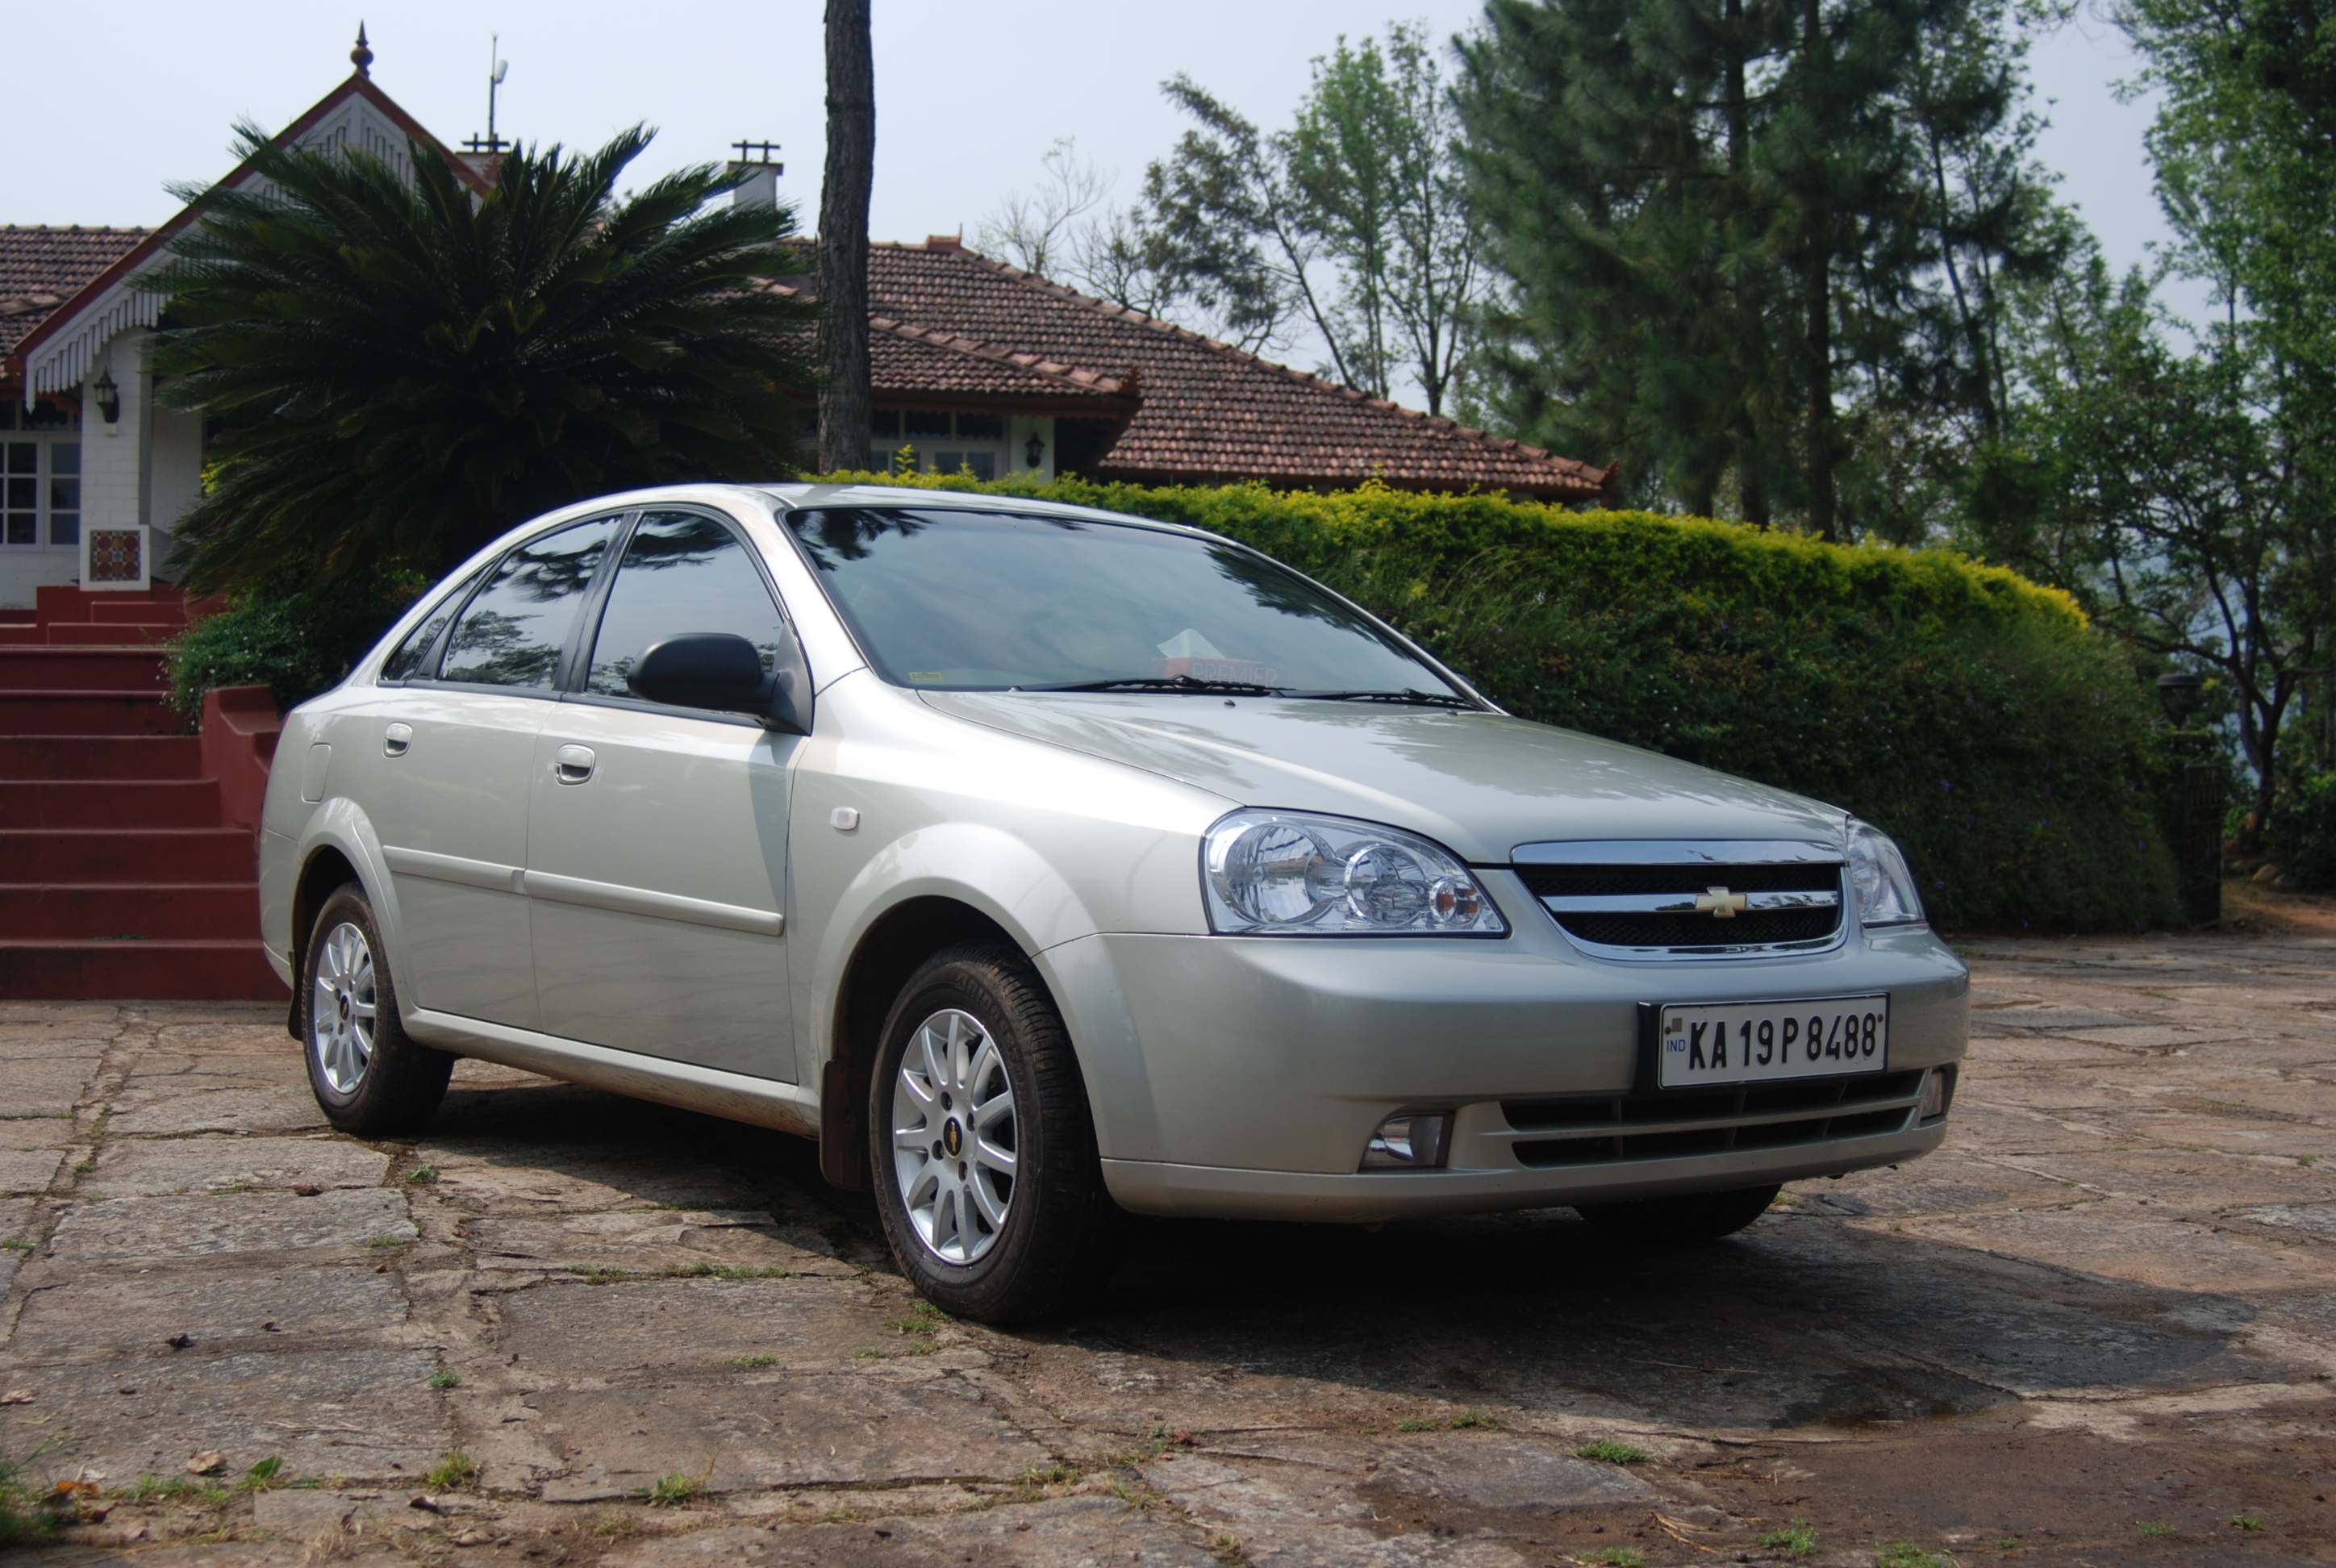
<point x="977" y="364"/>
<point x="95" y="472"/>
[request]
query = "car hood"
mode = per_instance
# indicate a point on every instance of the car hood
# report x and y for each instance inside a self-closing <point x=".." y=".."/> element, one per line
<point x="1479" y="782"/>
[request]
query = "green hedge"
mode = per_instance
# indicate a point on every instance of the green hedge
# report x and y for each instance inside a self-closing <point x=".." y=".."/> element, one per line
<point x="281" y="634"/>
<point x="1971" y="713"/>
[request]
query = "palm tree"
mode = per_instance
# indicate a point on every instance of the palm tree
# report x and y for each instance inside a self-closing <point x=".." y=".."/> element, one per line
<point x="396" y="369"/>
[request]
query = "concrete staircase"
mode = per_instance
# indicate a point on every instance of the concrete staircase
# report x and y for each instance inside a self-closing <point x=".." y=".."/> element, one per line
<point x="120" y="875"/>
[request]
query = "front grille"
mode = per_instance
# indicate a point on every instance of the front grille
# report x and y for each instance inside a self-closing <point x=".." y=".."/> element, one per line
<point x="1594" y="1131"/>
<point x="1564" y="890"/>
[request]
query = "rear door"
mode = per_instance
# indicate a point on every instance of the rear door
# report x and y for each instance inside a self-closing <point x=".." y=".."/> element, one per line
<point x="657" y="860"/>
<point x="443" y="757"/>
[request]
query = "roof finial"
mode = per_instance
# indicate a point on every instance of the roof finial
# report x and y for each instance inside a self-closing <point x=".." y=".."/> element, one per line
<point x="361" y="56"/>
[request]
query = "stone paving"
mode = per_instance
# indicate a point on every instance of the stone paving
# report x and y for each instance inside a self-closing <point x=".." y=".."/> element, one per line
<point x="2098" y="1327"/>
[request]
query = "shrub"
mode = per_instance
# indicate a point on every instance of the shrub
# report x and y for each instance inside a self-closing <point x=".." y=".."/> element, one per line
<point x="283" y="634"/>
<point x="2302" y="833"/>
<point x="1970" y="713"/>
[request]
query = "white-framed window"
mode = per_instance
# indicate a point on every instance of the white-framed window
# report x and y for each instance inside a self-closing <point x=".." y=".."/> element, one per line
<point x="940" y="442"/>
<point x="40" y="479"/>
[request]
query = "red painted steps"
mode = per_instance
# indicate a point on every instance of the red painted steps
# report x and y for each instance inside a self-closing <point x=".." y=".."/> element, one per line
<point x="120" y="874"/>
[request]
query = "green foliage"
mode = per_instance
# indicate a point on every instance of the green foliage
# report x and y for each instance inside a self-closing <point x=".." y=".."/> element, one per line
<point x="2301" y="831"/>
<point x="454" y="1470"/>
<point x="672" y="1490"/>
<point x="28" y="1514"/>
<point x="1906" y="1554"/>
<point x="1969" y="713"/>
<point x="288" y="635"/>
<point x="1606" y="1451"/>
<point x="396" y="369"/>
<point x="1798" y="1539"/>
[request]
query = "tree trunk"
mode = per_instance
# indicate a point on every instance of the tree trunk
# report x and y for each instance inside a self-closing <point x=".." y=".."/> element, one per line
<point x="1817" y="299"/>
<point x="845" y="417"/>
<point x="1752" y="489"/>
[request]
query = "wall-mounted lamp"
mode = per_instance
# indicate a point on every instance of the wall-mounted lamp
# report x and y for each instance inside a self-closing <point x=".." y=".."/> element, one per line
<point x="109" y="397"/>
<point x="1034" y="449"/>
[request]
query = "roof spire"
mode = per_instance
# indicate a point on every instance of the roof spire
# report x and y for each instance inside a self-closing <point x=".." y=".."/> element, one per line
<point x="361" y="56"/>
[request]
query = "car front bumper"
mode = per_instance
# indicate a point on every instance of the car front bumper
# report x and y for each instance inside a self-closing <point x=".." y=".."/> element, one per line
<point x="1244" y="1077"/>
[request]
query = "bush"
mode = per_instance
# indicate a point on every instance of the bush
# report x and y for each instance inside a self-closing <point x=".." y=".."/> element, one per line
<point x="294" y="640"/>
<point x="1969" y="712"/>
<point x="2302" y="833"/>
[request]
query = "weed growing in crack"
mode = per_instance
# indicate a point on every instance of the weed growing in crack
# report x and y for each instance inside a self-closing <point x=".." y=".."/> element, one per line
<point x="27" y="1515"/>
<point x="1477" y="1419"/>
<point x="2153" y="1532"/>
<point x="385" y="1240"/>
<point x="262" y="1475"/>
<point x="15" y="1244"/>
<point x="423" y="1173"/>
<point x="2246" y="1521"/>
<point x="672" y="1490"/>
<point x="152" y="1488"/>
<point x="445" y="1380"/>
<point x="1419" y="1426"/>
<point x="455" y="1470"/>
<point x="1621" y="1557"/>
<point x="1906" y="1554"/>
<point x="1606" y="1451"/>
<point x="752" y="1361"/>
<point x="1796" y="1538"/>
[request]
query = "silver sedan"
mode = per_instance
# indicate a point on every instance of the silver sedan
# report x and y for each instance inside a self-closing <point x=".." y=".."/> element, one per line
<point x="1046" y="864"/>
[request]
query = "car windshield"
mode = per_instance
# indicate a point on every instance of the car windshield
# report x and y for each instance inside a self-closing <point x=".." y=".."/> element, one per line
<point x="980" y="601"/>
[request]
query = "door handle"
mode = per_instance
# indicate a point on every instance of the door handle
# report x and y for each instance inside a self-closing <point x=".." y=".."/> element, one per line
<point x="572" y="765"/>
<point x="396" y="739"/>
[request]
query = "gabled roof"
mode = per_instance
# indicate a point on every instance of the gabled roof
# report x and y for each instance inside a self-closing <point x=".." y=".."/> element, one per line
<point x="41" y="268"/>
<point x="358" y="113"/>
<point x="1210" y="414"/>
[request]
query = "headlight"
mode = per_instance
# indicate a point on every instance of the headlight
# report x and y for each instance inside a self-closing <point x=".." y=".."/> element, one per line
<point x="1878" y="876"/>
<point x="1289" y="874"/>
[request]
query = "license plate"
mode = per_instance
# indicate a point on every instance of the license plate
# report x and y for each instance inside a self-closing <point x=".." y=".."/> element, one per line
<point x="1763" y="1042"/>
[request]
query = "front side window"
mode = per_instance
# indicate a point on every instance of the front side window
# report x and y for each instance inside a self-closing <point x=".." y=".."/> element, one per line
<point x="975" y="601"/>
<point x="512" y="632"/>
<point x="684" y="572"/>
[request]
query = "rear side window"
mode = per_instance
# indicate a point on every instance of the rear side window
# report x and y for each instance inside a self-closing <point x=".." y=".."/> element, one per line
<point x="685" y="573"/>
<point x="406" y="663"/>
<point x="512" y="632"/>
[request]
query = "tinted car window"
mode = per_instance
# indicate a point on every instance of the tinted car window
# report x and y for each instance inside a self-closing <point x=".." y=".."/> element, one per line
<point x="975" y="600"/>
<point x="405" y="664"/>
<point x="684" y="572"/>
<point x="511" y="634"/>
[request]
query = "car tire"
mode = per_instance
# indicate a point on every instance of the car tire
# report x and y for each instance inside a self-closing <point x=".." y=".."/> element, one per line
<point x="1686" y="1218"/>
<point x="982" y="1144"/>
<point x="370" y="1078"/>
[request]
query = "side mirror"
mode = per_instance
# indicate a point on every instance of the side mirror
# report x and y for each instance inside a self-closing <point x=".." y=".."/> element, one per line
<point x="717" y="670"/>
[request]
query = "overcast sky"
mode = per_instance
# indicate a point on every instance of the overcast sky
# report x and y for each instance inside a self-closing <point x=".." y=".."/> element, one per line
<point x="969" y="95"/>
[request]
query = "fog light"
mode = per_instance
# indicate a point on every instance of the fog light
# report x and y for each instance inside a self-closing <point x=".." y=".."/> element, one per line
<point x="1410" y="1142"/>
<point x="1934" y="1095"/>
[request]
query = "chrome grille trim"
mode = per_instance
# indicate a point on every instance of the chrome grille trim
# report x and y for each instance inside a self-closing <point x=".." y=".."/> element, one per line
<point x="1649" y="900"/>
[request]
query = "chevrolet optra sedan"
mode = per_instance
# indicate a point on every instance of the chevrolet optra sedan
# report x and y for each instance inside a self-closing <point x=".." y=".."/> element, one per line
<point x="1048" y="865"/>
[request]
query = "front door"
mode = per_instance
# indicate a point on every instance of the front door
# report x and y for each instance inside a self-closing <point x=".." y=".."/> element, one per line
<point x="445" y="758"/>
<point x="657" y="867"/>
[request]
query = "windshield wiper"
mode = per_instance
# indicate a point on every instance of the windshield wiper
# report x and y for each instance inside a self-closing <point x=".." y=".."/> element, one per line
<point x="1181" y="683"/>
<point x="1416" y="698"/>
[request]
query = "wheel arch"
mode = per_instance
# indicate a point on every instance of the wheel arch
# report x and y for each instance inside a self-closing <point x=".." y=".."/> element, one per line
<point x="892" y="949"/>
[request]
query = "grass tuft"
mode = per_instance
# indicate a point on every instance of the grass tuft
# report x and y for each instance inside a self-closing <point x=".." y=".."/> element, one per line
<point x="1906" y="1554"/>
<point x="672" y="1490"/>
<point x="761" y="1360"/>
<point x="423" y="1173"/>
<point x="1796" y="1538"/>
<point x="1621" y="1557"/>
<point x="1419" y="1426"/>
<point x="266" y="1473"/>
<point x="1606" y="1451"/>
<point x="455" y="1470"/>
<point x="445" y="1379"/>
<point x="2155" y="1531"/>
<point x="2246" y="1522"/>
<point x="1477" y="1419"/>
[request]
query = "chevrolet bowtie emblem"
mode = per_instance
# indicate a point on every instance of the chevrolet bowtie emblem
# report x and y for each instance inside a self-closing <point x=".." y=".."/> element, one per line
<point x="1722" y="905"/>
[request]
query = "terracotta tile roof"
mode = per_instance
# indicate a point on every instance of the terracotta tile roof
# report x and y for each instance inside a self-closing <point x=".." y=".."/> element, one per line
<point x="1209" y="412"/>
<point x="907" y="361"/>
<point x="41" y="268"/>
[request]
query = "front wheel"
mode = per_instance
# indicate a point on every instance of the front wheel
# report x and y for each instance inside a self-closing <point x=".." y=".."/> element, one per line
<point x="982" y="1144"/>
<point x="369" y="1078"/>
<point x="1687" y="1217"/>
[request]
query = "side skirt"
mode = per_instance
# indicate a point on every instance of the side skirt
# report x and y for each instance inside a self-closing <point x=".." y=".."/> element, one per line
<point x="761" y="1102"/>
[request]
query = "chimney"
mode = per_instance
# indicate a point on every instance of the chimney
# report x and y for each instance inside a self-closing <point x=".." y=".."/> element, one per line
<point x="946" y="244"/>
<point x="760" y="172"/>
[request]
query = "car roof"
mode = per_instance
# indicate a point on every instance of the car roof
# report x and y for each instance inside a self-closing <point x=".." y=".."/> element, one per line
<point x="798" y="496"/>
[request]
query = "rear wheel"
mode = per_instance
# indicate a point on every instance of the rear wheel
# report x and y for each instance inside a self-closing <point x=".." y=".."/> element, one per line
<point x="1686" y="1217"/>
<point x="982" y="1146"/>
<point x="368" y="1077"/>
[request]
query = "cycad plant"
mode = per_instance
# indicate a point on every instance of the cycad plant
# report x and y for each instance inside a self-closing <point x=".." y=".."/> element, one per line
<point x="395" y="368"/>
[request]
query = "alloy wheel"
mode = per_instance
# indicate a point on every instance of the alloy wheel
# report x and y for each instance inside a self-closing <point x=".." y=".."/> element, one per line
<point x="954" y="1136"/>
<point x="342" y="1010"/>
